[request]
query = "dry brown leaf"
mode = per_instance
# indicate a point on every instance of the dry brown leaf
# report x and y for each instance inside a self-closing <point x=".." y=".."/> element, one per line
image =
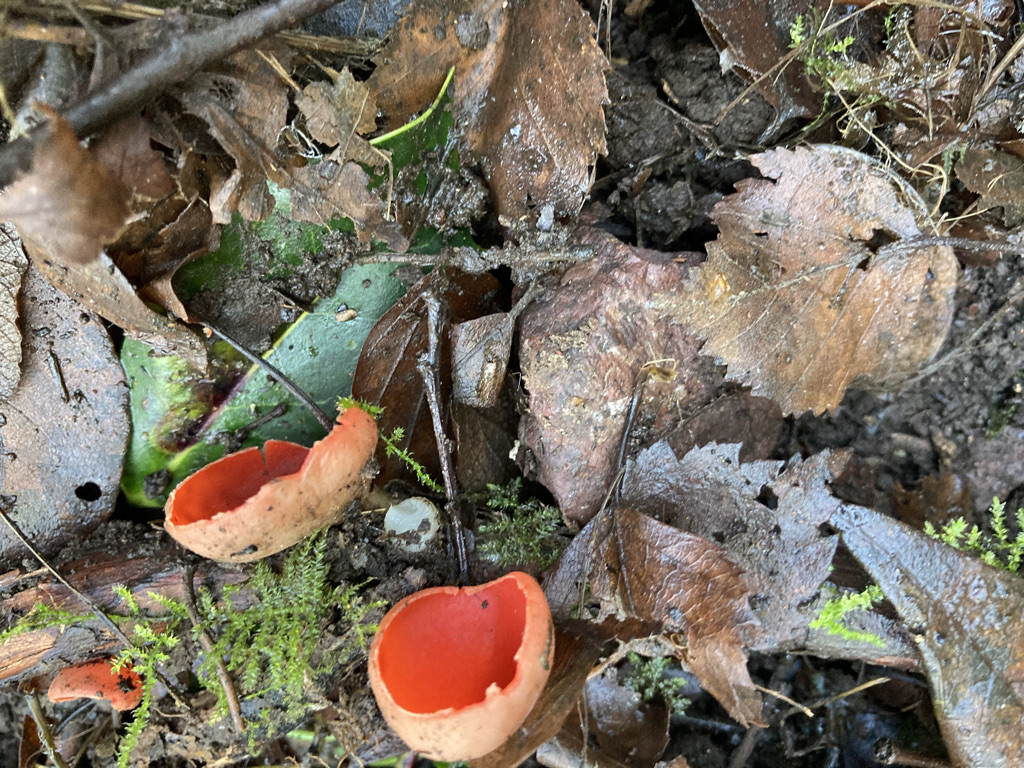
<point x="995" y="176"/>
<point x="583" y="344"/>
<point x="966" y="620"/>
<point x="64" y="431"/>
<point x="244" y="105"/>
<point x="102" y="288"/>
<point x="766" y="515"/>
<point x="814" y="285"/>
<point x="638" y="568"/>
<point x="335" y="113"/>
<point x="124" y="149"/>
<point x="12" y="267"/>
<point x="69" y="204"/>
<point x="529" y="88"/>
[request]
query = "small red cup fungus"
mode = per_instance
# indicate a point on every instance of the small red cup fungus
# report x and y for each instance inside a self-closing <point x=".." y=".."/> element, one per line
<point x="96" y="680"/>
<point x="456" y="671"/>
<point x="252" y="504"/>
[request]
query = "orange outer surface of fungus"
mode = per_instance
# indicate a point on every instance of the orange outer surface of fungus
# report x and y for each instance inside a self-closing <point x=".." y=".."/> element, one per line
<point x="96" y="680"/>
<point x="252" y="504"/>
<point x="456" y="671"/>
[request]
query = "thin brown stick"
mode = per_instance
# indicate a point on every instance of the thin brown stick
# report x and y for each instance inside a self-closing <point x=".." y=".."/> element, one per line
<point x="428" y="365"/>
<point x="188" y="574"/>
<point x="179" y="60"/>
<point x="43" y="726"/>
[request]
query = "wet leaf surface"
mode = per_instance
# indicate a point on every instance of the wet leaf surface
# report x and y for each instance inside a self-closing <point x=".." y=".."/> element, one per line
<point x="814" y="283"/>
<point x="583" y="344"/>
<point x="635" y="567"/>
<point x="65" y="428"/>
<point x="626" y="728"/>
<point x="965" y="617"/>
<point x="531" y="101"/>
<point x="12" y="267"/>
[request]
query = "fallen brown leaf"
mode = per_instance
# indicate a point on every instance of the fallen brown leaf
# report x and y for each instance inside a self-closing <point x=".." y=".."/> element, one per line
<point x="386" y="373"/>
<point x="637" y="568"/>
<point x="583" y="344"/>
<point x="814" y="283"/>
<point x="529" y="88"/>
<point x="756" y="40"/>
<point x="69" y="204"/>
<point x="965" y="617"/>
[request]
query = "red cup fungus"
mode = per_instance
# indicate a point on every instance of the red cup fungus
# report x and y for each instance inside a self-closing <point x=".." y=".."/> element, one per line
<point x="96" y="680"/>
<point x="456" y="671"/>
<point x="253" y="504"/>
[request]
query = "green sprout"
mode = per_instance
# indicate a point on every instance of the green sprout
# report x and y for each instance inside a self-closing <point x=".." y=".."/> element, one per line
<point x="648" y="679"/>
<point x="391" y="449"/>
<point x="1000" y="550"/>
<point x="833" y="616"/>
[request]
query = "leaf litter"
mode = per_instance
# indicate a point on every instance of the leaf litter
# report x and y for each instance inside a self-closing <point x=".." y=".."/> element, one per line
<point x="826" y="275"/>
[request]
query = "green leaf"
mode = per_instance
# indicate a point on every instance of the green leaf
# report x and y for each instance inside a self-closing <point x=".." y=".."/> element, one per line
<point x="181" y="422"/>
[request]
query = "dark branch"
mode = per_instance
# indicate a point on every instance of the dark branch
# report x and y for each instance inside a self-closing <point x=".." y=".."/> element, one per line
<point x="178" y="61"/>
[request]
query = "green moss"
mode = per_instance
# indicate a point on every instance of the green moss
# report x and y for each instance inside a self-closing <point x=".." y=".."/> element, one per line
<point x="268" y="646"/>
<point x="833" y="616"/>
<point x="999" y="550"/>
<point x="648" y="678"/>
<point x="391" y="449"/>
<point x="521" y="531"/>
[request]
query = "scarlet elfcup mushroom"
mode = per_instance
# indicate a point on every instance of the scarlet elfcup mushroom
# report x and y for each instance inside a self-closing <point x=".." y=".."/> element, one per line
<point x="456" y="671"/>
<point x="252" y="504"/>
<point x="97" y="680"/>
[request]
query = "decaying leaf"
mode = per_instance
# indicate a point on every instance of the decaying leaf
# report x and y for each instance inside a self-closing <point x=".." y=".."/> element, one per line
<point x="65" y="428"/>
<point x="814" y="283"/>
<point x="965" y="617"/>
<point x="333" y="113"/>
<point x="69" y="205"/>
<point x="995" y="176"/>
<point x="708" y="492"/>
<point x="638" y="568"/>
<point x="529" y="86"/>
<point x="754" y="39"/>
<point x="244" y="106"/>
<point x="124" y="150"/>
<point x="100" y="286"/>
<point x="480" y="350"/>
<point x="583" y="345"/>
<point x="387" y="375"/>
<point x="12" y="267"/>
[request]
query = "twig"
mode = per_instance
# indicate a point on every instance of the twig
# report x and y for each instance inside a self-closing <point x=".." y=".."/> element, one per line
<point x="187" y="575"/>
<point x="325" y="421"/>
<point x="179" y="60"/>
<point x="428" y="365"/>
<point x="888" y="752"/>
<point x="43" y="726"/>
<point x="97" y="611"/>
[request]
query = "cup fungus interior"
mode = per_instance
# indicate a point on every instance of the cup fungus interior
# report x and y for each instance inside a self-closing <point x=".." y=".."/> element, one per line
<point x="229" y="482"/>
<point x="446" y="649"/>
